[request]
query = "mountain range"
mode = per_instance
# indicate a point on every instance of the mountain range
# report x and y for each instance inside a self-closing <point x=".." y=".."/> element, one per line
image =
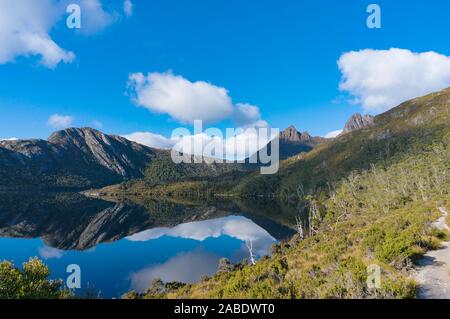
<point x="79" y="158"/>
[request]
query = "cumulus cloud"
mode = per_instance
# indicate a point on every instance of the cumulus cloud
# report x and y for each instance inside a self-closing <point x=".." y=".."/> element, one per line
<point x="24" y="31"/>
<point x="382" y="79"/>
<point x="238" y="146"/>
<point x="333" y="134"/>
<point x="183" y="100"/>
<point x="58" y="121"/>
<point x="187" y="101"/>
<point x="128" y="8"/>
<point x="94" y="17"/>
<point x="151" y="140"/>
<point x="25" y="28"/>
<point x="247" y="115"/>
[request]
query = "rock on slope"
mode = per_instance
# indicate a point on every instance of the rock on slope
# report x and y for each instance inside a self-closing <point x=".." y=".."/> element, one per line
<point x="356" y="122"/>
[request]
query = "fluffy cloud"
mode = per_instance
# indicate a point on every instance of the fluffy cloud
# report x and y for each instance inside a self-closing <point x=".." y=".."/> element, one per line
<point x="24" y="31"/>
<point x="60" y="121"/>
<point x="183" y="100"/>
<point x="239" y="146"/>
<point x="333" y="134"/>
<point x="93" y="17"/>
<point x="382" y="79"/>
<point x="128" y="8"/>
<point x="187" y="101"/>
<point x="25" y="28"/>
<point x="151" y="140"/>
<point x="246" y="115"/>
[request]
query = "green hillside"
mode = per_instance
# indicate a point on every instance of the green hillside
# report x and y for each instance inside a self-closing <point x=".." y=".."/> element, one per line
<point x="370" y="196"/>
<point x="407" y="129"/>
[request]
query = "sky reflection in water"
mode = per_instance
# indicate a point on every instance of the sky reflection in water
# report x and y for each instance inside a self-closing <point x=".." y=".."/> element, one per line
<point x="183" y="253"/>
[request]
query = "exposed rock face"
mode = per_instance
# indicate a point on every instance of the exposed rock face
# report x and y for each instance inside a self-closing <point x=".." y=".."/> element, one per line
<point x="115" y="153"/>
<point x="291" y="135"/>
<point x="292" y="142"/>
<point x="73" y="157"/>
<point x="356" y="122"/>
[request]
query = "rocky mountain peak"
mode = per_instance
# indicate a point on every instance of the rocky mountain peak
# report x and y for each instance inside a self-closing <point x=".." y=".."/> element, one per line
<point x="76" y="134"/>
<point x="291" y="135"/>
<point x="357" y="121"/>
<point x="86" y="155"/>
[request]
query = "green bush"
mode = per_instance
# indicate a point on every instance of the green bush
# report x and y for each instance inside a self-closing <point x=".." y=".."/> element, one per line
<point x="31" y="282"/>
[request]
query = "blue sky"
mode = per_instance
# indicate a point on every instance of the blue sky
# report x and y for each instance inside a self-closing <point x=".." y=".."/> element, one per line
<point x="280" y="56"/>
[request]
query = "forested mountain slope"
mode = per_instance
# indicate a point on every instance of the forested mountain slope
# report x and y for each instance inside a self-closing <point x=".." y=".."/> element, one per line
<point x="408" y="128"/>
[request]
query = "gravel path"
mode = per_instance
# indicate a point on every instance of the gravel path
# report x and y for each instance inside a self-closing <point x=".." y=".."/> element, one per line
<point x="433" y="271"/>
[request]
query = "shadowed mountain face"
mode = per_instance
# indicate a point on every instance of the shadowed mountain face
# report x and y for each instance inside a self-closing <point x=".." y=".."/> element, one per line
<point x="72" y="158"/>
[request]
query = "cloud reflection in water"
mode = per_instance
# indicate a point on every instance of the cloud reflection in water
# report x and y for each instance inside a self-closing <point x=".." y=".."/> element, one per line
<point x="190" y="266"/>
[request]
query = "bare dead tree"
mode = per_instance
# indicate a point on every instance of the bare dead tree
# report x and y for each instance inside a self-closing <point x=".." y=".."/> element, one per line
<point x="299" y="226"/>
<point x="314" y="218"/>
<point x="249" y="244"/>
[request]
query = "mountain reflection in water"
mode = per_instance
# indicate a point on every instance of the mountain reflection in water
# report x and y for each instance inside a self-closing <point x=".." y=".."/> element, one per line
<point x="122" y="246"/>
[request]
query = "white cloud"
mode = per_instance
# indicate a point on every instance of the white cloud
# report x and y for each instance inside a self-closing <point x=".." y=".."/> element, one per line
<point x="151" y="140"/>
<point x="24" y="31"/>
<point x="25" y="28"/>
<point x="9" y="139"/>
<point x="382" y="79"/>
<point x="93" y="17"/>
<point x="239" y="146"/>
<point x="60" y="121"/>
<point x="247" y="115"/>
<point x="128" y="8"/>
<point x="187" y="101"/>
<point x="333" y="134"/>
<point x="183" y="100"/>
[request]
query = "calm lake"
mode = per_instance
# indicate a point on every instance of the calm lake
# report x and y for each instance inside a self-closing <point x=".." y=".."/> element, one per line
<point x="124" y="245"/>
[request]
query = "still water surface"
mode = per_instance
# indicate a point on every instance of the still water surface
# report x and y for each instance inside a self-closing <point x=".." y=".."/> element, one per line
<point x="123" y="246"/>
